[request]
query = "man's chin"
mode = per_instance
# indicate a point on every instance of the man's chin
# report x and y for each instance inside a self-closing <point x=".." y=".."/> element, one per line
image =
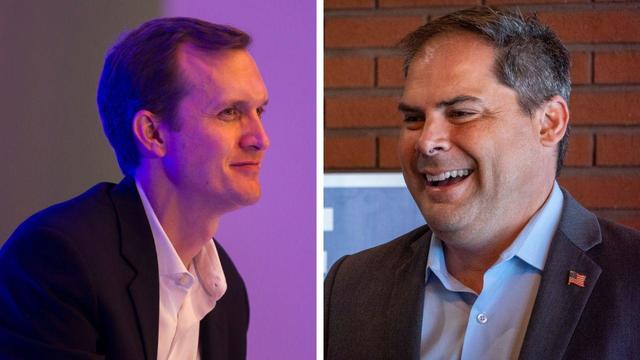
<point x="248" y="197"/>
<point x="442" y="219"/>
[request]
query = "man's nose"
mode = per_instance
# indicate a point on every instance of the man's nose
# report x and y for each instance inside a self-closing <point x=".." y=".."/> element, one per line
<point x="434" y="138"/>
<point x="255" y="137"/>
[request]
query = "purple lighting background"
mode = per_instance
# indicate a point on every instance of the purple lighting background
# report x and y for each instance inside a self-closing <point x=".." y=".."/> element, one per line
<point x="273" y="242"/>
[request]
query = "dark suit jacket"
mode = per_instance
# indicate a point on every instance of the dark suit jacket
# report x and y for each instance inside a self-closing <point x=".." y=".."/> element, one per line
<point x="79" y="280"/>
<point x="374" y="299"/>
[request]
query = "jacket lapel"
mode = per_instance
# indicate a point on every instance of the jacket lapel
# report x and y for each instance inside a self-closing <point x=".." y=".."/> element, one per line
<point x="213" y="338"/>
<point x="138" y="248"/>
<point x="559" y="305"/>
<point x="404" y="319"/>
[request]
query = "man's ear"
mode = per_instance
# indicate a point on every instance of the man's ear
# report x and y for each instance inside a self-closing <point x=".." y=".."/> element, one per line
<point x="148" y="133"/>
<point x="554" y="120"/>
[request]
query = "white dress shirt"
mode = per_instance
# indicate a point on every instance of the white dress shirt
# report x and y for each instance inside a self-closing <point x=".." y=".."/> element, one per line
<point x="186" y="295"/>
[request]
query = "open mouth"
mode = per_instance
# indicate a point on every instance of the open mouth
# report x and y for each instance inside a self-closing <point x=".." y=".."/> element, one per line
<point x="448" y="177"/>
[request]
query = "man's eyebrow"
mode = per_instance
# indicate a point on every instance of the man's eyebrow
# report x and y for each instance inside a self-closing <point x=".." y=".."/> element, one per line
<point x="402" y="107"/>
<point x="405" y="108"/>
<point x="237" y="103"/>
<point x="458" y="99"/>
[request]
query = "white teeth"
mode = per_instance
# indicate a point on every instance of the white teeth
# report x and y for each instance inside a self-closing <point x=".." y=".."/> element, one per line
<point x="448" y="174"/>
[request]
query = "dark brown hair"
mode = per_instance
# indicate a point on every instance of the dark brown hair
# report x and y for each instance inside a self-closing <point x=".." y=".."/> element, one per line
<point x="140" y="72"/>
<point x="530" y="58"/>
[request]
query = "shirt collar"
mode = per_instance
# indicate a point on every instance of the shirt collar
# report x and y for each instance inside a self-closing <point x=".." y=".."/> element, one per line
<point x="531" y="245"/>
<point x="169" y="263"/>
<point x="533" y="242"/>
<point x="437" y="265"/>
<point x="209" y="270"/>
<point x="206" y="263"/>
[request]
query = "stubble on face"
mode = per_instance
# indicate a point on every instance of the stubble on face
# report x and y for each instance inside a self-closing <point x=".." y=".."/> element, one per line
<point x="476" y="125"/>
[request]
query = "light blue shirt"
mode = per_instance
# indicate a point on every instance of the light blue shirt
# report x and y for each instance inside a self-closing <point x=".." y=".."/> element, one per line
<point x="457" y="323"/>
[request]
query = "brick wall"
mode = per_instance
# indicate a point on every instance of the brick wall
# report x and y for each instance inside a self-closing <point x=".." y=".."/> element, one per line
<point x="363" y="82"/>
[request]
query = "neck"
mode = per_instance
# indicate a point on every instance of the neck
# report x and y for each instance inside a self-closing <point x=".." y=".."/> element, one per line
<point x="188" y="226"/>
<point x="468" y="265"/>
<point x="468" y="255"/>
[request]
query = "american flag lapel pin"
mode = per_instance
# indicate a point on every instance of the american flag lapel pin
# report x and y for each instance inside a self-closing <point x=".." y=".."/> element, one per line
<point x="577" y="279"/>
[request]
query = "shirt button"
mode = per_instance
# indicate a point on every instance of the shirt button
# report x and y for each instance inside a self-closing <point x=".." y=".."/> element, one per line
<point x="184" y="280"/>
<point x="482" y="318"/>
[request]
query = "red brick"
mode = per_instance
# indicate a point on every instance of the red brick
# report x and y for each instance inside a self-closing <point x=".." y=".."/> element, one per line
<point x="387" y="154"/>
<point x="348" y="4"/>
<point x="390" y="71"/>
<point x="604" y="191"/>
<point x="605" y="107"/>
<point x="631" y="219"/>
<point x="349" y="152"/>
<point x="503" y="2"/>
<point x="580" y="152"/>
<point x="416" y="3"/>
<point x="348" y="72"/>
<point x="618" y="149"/>
<point x="594" y="25"/>
<point x="580" y="68"/>
<point x="345" y="32"/>
<point x="362" y="111"/>
<point x="617" y="67"/>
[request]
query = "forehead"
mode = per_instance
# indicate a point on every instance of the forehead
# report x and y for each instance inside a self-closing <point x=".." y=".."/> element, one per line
<point x="451" y="65"/>
<point x="226" y="74"/>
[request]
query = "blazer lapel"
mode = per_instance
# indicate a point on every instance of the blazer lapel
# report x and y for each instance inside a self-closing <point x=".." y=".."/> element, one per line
<point x="404" y="319"/>
<point x="559" y="304"/>
<point x="214" y="338"/>
<point x="138" y="248"/>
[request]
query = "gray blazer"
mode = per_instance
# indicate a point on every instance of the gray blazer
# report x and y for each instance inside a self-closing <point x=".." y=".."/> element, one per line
<point x="374" y="299"/>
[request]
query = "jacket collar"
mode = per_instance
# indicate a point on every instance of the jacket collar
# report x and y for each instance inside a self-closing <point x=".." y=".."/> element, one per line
<point x="138" y="249"/>
<point x="404" y="318"/>
<point x="559" y="305"/>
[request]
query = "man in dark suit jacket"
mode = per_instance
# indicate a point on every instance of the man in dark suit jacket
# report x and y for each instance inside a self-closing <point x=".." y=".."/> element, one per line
<point x="80" y="281"/>
<point x="365" y="319"/>
<point x="95" y="277"/>
<point x="509" y="266"/>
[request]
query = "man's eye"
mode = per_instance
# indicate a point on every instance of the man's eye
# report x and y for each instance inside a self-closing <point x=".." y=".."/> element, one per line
<point x="260" y="111"/>
<point x="229" y="114"/>
<point x="413" y="122"/>
<point x="413" y="118"/>
<point x="459" y="113"/>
